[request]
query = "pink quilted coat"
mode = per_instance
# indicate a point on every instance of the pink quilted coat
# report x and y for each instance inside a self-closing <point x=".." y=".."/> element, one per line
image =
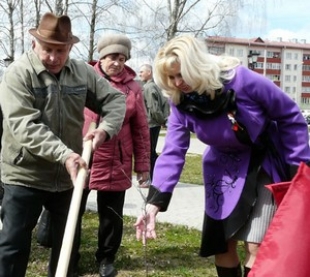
<point x="114" y="161"/>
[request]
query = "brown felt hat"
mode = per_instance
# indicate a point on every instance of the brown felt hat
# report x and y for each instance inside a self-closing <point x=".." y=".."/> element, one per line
<point x="114" y="44"/>
<point x="55" y="30"/>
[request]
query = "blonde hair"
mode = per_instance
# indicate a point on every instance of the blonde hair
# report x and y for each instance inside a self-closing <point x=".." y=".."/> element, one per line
<point x="202" y="71"/>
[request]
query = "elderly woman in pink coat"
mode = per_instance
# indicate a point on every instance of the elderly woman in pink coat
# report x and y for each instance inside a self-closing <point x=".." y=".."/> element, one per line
<point x="114" y="162"/>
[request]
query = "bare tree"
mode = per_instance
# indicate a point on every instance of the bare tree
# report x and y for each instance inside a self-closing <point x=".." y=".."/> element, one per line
<point x="199" y="17"/>
<point x="37" y="5"/>
<point x="8" y="30"/>
<point x="96" y="16"/>
<point x="152" y="23"/>
<point x="92" y="31"/>
<point x="148" y="23"/>
<point x="22" y="33"/>
<point x="61" y="7"/>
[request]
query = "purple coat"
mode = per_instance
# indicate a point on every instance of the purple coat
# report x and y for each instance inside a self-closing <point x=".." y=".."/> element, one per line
<point x="225" y="159"/>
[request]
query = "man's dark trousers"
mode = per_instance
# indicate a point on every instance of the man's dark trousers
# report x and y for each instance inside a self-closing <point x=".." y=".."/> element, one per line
<point x="21" y="208"/>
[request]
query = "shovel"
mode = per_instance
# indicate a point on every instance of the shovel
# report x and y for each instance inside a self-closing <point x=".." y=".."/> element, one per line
<point x="67" y="242"/>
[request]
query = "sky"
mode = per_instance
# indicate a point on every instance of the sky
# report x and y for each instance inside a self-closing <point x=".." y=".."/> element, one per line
<point x="288" y="19"/>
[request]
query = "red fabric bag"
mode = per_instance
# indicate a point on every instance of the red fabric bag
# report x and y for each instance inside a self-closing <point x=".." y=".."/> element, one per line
<point x="285" y="250"/>
<point x="279" y="190"/>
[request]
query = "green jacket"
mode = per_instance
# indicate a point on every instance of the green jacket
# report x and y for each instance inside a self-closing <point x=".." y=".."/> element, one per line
<point x="43" y="119"/>
<point x="155" y="101"/>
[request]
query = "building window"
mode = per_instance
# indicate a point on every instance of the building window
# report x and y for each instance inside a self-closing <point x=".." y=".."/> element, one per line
<point x="216" y="50"/>
<point x="270" y="54"/>
<point x="305" y="78"/>
<point x="287" y="78"/>
<point x="276" y="66"/>
<point x="288" y="56"/>
<point x="306" y="67"/>
<point x="239" y="52"/>
<point x="287" y="90"/>
<point x="296" y="56"/>
<point x="232" y="52"/>
<point x="276" y="55"/>
<point x="288" y="67"/>
<point x="305" y="100"/>
<point x="276" y="77"/>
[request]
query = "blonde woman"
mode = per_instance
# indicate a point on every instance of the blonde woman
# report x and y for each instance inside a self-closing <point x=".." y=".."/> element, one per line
<point x="249" y="126"/>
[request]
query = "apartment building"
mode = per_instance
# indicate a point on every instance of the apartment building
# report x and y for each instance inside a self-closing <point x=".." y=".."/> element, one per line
<point x="286" y="63"/>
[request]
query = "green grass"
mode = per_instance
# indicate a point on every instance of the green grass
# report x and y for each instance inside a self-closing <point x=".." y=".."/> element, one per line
<point x="173" y="254"/>
<point x="163" y="134"/>
<point x="192" y="171"/>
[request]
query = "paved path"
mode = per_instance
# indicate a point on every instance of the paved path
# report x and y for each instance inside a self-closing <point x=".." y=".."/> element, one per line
<point x="196" y="146"/>
<point x="186" y="206"/>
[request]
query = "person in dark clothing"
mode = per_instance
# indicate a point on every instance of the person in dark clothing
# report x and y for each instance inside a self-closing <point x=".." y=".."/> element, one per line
<point x="157" y="117"/>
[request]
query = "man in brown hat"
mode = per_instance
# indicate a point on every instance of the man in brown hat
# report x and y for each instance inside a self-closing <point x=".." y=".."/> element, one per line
<point x="43" y="95"/>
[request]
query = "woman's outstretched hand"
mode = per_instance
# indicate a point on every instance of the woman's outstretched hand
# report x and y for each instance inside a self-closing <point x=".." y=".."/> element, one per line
<point x="145" y="224"/>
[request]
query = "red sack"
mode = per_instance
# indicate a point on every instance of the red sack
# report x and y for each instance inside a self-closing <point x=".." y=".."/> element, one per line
<point x="285" y="250"/>
<point x="279" y="190"/>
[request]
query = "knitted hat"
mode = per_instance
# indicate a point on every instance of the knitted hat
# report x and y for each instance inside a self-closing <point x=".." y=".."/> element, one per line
<point x="114" y="44"/>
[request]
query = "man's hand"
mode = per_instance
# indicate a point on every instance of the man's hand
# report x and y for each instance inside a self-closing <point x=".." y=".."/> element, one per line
<point x="145" y="224"/>
<point x="73" y="163"/>
<point x="98" y="136"/>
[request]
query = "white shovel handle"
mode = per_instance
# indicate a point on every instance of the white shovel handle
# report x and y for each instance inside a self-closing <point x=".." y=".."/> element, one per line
<point x="68" y="238"/>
